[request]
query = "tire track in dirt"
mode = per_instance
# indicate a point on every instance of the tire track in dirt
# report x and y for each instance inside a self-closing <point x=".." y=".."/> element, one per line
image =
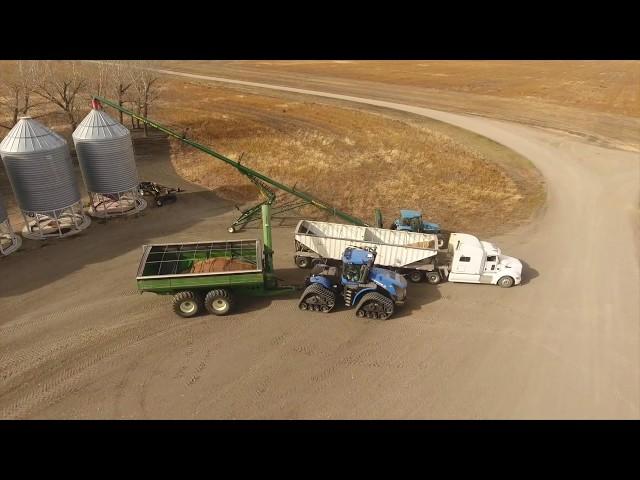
<point x="16" y="361"/>
<point x="66" y="374"/>
<point x="58" y="314"/>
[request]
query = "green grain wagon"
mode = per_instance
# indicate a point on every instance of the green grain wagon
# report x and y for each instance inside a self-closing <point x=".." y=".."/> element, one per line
<point x="207" y="275"/>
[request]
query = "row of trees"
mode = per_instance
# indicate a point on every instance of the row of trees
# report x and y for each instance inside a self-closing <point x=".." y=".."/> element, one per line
<point x="69" y="86"/>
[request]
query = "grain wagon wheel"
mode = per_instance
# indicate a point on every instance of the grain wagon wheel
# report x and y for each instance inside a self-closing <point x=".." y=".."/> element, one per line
<point x="187" y="304"/>
<point x="218" y="302"/>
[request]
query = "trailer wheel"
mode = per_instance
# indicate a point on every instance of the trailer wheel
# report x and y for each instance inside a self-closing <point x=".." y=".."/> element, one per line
<point x="303" y="262"/>
<point x="218" y="302"/>
<point x="506" y="282"/>
<point x="187" y="304"/>
<point x="433" y="278"/>
<point x="416" y="276"/>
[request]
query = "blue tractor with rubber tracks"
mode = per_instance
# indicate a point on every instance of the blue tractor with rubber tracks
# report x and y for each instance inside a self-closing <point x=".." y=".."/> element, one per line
<point x="373" y="291"/>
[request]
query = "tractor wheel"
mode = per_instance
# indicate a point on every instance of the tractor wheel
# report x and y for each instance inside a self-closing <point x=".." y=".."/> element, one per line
<point x="187" y="304"/>
<point x="303" y="262"/>
<point x="375" y="305"/>
<point x="218" y="302"/>
<point x="506" y="282"/>
<point x="416" y="276"/>
<point x="433" y="278"/>
<point x="317" y="298"/>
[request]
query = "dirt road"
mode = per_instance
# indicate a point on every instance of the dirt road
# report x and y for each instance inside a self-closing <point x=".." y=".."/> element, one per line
<point x="76" y="341"/>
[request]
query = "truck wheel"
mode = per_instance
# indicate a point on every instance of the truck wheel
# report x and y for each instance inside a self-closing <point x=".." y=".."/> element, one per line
<point x="506" y="282"/>
<point x="433" y="278"/>
<point x="187" y="304"/>
<point x="317" y="298"/>
<point x="416" y="276"/>
<point x="218" y="302"/>
<point x="303" y="262"/>
<point x="375" y="305"/>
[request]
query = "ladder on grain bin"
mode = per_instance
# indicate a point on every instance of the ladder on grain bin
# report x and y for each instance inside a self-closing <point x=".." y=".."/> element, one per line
<point x="262" y="182"/>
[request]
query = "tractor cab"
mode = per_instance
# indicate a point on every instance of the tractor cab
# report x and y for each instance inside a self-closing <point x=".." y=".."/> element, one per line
<point x="411" y="221"/>
<point x="356" y="264"/>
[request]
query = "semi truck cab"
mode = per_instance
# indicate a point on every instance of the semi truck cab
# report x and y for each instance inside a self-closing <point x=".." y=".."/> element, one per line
<point x="475" y="261"/>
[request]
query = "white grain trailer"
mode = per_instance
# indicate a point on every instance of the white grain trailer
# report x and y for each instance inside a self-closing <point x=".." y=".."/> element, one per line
<point x="409" y="253"/>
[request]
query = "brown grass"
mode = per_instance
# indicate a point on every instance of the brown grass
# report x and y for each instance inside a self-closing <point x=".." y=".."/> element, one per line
<point x="355" y="160"/>
<point x="604" y="86"/>
<point x="596" y="101"/>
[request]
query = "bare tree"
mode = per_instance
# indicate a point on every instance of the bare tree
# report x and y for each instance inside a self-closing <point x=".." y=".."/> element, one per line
<point x="61" y="83"/>
<point x="17" y="91"/>
<point x="122" y="83"/>
<point x="101" y="79"/>
<point x="145" y="84"/>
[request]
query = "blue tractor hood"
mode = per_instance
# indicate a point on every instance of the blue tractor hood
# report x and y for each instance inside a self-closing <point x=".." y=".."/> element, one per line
<point x="393" y="282"/>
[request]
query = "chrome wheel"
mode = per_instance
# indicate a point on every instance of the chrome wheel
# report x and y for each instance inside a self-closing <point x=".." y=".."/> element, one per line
<point x="220" y="305"/>
<point x="188" y="307"/>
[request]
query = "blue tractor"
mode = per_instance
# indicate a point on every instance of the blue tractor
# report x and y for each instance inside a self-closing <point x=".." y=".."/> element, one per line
<point x="411" y="221"/>
<point x="372" y="290"/>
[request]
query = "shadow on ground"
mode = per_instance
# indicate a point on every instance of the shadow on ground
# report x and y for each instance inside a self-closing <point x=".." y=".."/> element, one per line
<point x="38" y="263"/>
<point x="528" y="273"/>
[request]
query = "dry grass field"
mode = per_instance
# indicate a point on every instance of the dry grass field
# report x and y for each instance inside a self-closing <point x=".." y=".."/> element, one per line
<point x="609" y="86"/>
<point x="355" y="160"/>
<point x="596" y="100"/>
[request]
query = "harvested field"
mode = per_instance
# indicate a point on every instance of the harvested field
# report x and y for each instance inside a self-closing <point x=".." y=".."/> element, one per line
<point x="355" y="160"/>
<point x="597" y="101"/>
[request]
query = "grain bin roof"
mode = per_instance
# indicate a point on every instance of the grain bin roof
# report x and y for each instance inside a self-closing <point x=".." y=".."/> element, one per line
<point x="97" y="124"/>
<point x="30" y="136"/>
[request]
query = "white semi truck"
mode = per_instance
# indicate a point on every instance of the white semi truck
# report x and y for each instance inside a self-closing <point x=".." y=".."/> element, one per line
<point x="416" y="255"/>
<point x="470" y="260"/>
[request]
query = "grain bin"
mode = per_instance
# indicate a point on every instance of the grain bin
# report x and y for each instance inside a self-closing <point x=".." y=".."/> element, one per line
<point x="9" y="241"/>
<point x="39" y="168"/>
<point x="105" y="154"/>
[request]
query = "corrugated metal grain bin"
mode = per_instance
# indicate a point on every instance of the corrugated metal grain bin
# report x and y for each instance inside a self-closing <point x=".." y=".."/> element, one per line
<point x="105" y="154"/>
<point x="39" y="167"/>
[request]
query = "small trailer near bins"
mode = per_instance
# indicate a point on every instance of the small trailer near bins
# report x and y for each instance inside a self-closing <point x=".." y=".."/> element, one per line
<point x="206" y="275"/>
<point x="409" y="253"/>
